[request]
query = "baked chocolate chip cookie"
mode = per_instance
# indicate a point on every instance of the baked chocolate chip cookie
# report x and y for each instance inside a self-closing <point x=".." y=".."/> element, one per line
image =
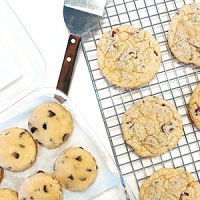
<point x="194" y="106"/>
<point x="183" y="34"/>
<point x="128" y="56"/>
<point x="170" y="184"/>
<point x="152" y="126"/>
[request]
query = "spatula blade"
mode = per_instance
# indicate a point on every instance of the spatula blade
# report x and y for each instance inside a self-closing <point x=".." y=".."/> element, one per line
<point x="81" y="16"/>
<point x="95" y="7"/>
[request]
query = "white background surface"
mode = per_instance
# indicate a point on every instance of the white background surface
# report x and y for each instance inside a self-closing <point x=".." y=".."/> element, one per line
<point x="43" y="19"/>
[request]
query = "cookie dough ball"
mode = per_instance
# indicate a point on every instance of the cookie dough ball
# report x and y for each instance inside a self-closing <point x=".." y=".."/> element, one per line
<point x="40" y="186"/>
<point x="7" y="194"/>
<point x="18" y="149"/>
<point x="50" y="124"/>
<point x="128" y="56"/>
<point x="170" y="184"/>
<point x="152" y="126"/>
<point x="75" y="168"/>
<point x="194" y="106"/>
<point x="183" y="34"/>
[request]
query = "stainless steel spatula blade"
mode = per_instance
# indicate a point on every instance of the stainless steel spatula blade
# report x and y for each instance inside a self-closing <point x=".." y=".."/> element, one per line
<point x="80" y="16"/>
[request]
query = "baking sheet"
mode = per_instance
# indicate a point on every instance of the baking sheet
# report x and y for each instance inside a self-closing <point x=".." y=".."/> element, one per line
<point x="105" y="179"/>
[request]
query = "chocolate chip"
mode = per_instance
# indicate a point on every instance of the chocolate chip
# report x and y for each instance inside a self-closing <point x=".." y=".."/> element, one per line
<point x="197" y="48"/>
<point x="184" y="194"/>
<point x="51" y="113"/>
<point x="83" y="179"/>
<point x="33" y="129"/>
<point x="31" y="197"/>
<point x="21" y="145"/>
<point x="65" y="137"/>
<point x="135" y="54"/>
<point x="40" y="171"/>
<point x="155" y="53"/>
<point x="79" y="158"/>
<point x="197" y="111"/>
<point x="81" y="147"/>
<point x="45" y="188"/>
<point x="44" y="126"/>
<point x="89" y="170"/>
<point x="22" y="133"/>
<point x="163" y="105"/>
<point x="166" y="127"/>
<point x="16" y="155"/>
<point x="131" y="126"/>
<point x="113" y="34"/>
<point x="115" y="46"/>
<point x="70" y="177"/>
<point x="96" y="167"/>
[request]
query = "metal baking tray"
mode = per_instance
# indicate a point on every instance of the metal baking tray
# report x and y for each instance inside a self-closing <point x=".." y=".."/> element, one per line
<point x="173" y="82"/>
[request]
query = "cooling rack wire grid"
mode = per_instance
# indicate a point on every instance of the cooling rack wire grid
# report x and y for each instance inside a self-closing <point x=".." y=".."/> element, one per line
<point x="173" y="82"/>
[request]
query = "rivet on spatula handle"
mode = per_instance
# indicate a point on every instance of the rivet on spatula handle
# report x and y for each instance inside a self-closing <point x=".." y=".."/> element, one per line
<point x="68" y="63"/>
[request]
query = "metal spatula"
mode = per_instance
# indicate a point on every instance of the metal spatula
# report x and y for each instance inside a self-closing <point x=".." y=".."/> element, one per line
<point x="80" y="17"/>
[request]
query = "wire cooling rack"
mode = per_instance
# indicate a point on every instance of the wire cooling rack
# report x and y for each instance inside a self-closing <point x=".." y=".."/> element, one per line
<point x="174" y="82"/>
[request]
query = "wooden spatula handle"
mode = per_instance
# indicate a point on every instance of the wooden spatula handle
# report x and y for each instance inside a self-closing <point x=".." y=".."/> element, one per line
<point x="68" y="63"/>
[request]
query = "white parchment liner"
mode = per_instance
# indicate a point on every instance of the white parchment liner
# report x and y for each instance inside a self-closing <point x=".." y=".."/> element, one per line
<point x="46" y="157"/>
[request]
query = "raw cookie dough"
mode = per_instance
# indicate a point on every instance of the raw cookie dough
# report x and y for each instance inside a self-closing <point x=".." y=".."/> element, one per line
<point x="40" y="186"/>
<point x="170" y="184"/>
<point x="75" y="168"/>
<point x="194" y="106"/>
<point x="18" y="149"/>
<point x="7" y="194"/>
<point x="152" y="126"/>
<point x="50" y="124"/>
<point x="183" y="34"/>
<point x="128" y="56"/>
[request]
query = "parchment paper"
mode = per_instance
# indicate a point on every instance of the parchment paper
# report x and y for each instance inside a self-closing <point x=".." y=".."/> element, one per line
<point x="46" y="157"/>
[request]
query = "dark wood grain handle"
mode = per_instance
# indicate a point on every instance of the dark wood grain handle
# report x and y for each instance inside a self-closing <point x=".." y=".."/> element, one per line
<point x="68" y="63"/>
